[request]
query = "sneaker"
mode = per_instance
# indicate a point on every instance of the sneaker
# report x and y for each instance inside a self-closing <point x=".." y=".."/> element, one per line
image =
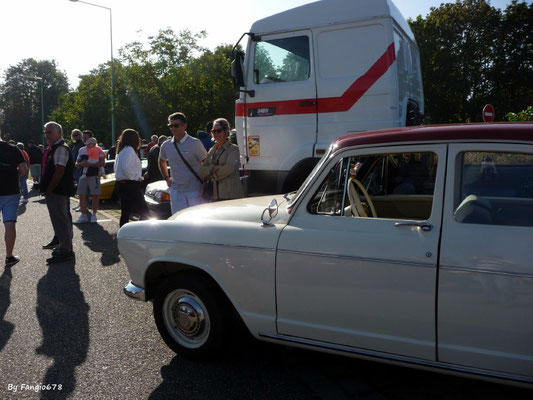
<point x="93" y="218"/>
<point x="60" y="257"/>
<point x="24" y="201"/>
<point x="77" y="208"/>
<point x="52" y="245"/>
<point x="83" y="219"/>
<point x="10" y="261"/>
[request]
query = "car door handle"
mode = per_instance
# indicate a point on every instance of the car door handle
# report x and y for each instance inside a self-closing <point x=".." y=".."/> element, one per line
<point x="424" y="226"/>
<point x="306" y="103"/>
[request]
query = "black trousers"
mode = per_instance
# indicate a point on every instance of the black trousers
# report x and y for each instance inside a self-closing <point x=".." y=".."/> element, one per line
<point x="131" y="200"/>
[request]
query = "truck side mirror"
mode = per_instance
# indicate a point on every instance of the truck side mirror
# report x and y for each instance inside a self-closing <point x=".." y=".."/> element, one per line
<point x="237" y="70"/>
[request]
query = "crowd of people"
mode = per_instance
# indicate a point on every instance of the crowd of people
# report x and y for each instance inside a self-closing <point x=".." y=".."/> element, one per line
<point x="196" y="170"/>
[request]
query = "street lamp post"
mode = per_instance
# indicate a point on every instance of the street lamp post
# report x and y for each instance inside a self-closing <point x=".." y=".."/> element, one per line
<point x="112" y="68"/>
<point x="38" y="78"/>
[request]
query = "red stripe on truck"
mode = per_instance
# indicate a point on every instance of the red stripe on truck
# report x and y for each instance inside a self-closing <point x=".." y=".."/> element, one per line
<point x="329" y="104"/>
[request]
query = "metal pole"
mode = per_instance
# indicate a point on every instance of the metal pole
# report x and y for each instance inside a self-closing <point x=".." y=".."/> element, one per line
<point x="42" y="110"/>
<point x="38" y="78"/>
<point x="113" y="132"/>
<point x="113" y="135"/>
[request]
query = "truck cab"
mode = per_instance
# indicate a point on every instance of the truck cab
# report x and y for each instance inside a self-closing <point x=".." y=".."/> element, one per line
<point x="318" y="72"/>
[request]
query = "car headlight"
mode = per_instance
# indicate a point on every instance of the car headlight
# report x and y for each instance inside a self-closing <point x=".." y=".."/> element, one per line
<point x="161" y="196"/>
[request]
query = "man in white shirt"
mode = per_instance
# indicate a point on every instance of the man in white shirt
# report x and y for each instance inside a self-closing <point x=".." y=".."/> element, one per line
<point x="186" y="183"/>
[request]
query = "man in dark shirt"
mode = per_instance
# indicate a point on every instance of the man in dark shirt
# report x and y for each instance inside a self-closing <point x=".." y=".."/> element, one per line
<point x="36" y="161"/>
<point x="153" y="173"/>
<point x="12" y="164"/>
<point x="57" y="185"/>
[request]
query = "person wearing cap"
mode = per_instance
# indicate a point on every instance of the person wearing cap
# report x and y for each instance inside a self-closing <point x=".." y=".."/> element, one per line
<point x="90" y="159"/>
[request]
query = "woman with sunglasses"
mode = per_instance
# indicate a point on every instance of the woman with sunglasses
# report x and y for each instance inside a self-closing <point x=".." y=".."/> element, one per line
<point x="221" y="167"/>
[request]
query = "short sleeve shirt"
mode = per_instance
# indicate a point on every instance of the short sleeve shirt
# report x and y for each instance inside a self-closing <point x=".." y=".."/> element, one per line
<point x="10" y="158"/>
<point x="194" y="152"/>
<point x="61" y="155"/>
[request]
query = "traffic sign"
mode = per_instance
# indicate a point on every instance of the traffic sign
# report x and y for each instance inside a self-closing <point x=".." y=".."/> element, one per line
<point x="488" y="113"/>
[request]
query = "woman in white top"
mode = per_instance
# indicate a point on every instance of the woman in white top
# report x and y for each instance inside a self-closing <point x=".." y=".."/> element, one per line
<point x="128" y="172"/>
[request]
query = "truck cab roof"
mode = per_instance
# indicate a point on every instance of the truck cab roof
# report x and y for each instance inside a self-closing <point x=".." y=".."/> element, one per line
<point x="327" y="12"/>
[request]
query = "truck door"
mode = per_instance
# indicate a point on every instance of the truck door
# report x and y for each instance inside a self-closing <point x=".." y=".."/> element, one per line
<point x="280" y="119"/>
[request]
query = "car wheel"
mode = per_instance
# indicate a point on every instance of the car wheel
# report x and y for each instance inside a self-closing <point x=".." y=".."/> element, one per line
<point x="191" y="316"/>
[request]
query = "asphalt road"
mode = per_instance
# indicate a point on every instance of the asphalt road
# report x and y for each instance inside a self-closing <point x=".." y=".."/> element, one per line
<point x="70" y="327"/>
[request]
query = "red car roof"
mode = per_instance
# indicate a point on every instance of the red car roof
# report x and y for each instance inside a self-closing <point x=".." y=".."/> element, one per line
<point x="493" y="131"/>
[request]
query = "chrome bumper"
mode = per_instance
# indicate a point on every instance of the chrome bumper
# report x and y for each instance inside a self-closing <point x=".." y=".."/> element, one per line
<point x="134" y="292"/>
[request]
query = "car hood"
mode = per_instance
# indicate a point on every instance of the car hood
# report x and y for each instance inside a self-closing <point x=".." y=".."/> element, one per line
<point x="248" y="209"/>
<point x="229" y="222"/>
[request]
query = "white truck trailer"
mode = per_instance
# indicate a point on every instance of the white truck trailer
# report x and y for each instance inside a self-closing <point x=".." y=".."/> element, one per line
<point x="317" y="72"/>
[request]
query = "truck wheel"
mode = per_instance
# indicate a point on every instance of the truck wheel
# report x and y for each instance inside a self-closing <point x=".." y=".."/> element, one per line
<point x="191" y="316"/>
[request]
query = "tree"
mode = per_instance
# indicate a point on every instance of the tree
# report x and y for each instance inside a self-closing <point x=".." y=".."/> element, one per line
<point x="20" y="97"/>
<point x="172" y="74"/>
<point x="473" y="54"/>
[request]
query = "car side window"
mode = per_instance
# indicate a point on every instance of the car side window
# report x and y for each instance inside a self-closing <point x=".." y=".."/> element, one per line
<point x="494" y="188"/>
<point x="393" y="185"/>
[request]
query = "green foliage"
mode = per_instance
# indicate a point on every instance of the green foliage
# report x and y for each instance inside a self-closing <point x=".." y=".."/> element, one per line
<point x="473" y="54"/>
<point x="172" y="74"/>
<point x="20" y="98"/>
<point x="524" y="115"/>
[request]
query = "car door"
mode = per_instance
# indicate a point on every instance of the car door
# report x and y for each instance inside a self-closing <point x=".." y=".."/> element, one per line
<point x="485" y="310"/>
<point x="365" y="282"/>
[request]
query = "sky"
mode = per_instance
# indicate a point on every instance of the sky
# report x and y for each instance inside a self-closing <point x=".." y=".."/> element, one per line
<point x="77" y="35"/>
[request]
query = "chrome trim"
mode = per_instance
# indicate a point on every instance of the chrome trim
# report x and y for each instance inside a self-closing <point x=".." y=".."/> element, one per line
<point x="135" y="292"/>
<point x="486" y="271"/>
<point x="395" y="358"/>
<point x="423" y="225"/>
<point x="197" y="243"/>
<point x="366" y="259"/>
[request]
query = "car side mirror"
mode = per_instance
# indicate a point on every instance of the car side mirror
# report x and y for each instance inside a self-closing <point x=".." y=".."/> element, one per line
<point x="272" y="212"/>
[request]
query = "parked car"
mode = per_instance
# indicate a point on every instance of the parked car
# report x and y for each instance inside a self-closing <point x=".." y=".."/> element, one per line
<point x="157" y="197"/>
<point x="408" y="245"/>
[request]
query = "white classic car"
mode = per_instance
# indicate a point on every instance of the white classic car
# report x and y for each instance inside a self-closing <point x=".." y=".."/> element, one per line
<point x="409" y="245"/>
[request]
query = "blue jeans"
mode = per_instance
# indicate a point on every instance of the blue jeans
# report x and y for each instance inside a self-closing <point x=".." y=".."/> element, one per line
<point x="24" y="186"/>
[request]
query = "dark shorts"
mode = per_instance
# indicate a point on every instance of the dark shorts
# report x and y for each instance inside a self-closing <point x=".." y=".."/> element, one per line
<point x="9" y="206"/>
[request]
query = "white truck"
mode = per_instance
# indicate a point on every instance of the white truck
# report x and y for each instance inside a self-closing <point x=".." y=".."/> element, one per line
<point x="317" y="72"/>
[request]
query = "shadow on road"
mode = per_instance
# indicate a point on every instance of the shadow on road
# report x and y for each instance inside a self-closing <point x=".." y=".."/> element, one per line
<point x="63" y="315"/>
<point x="96" y="238"/>
<point x="259" y="370"/>
<point x="6" y="327"/>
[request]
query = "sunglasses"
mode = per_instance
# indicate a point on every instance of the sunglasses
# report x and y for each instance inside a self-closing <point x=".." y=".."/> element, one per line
<point x="217" y="130"/>
<point x="175" y="125"/>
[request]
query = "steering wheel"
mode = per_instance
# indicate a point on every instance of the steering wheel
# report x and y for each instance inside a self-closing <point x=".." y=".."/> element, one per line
<point x="355" y="202"/>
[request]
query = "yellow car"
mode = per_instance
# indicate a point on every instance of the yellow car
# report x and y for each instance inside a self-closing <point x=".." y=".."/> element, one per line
<point x="108" y="183"/>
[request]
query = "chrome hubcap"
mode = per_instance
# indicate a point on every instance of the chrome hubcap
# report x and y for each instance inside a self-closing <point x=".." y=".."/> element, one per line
<point x="186" y="318"/>
<point x="189" y="316"/>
